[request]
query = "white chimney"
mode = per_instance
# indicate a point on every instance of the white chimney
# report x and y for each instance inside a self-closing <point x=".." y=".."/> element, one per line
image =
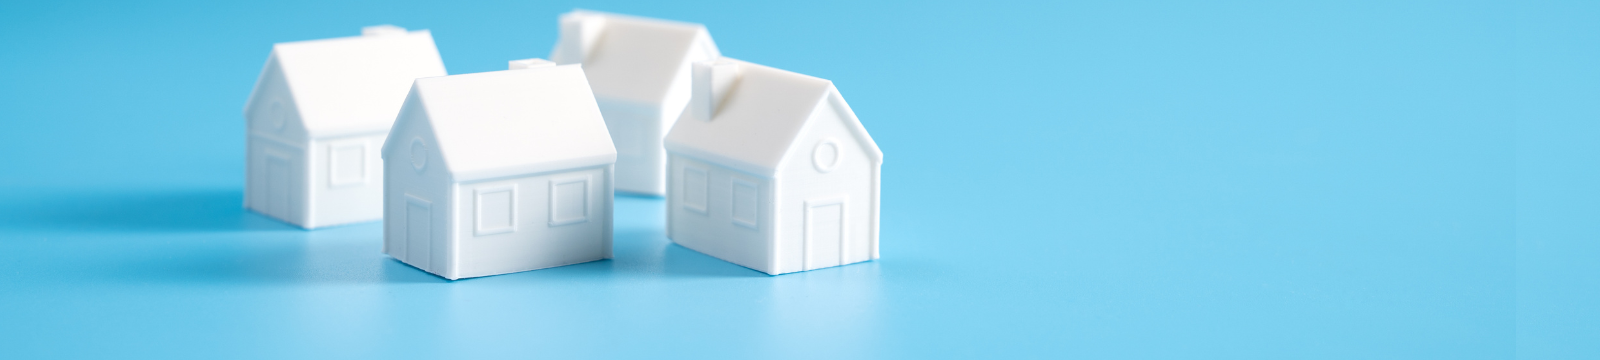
<point x="382" y="30"/>
<point x="579" y="32"/>
<point x="530" y="63"/>
<point x="712" y="81"/>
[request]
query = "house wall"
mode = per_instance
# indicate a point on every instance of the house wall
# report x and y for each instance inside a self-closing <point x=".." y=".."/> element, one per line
<point x="275" y="156"/>
<point x="417" y="203"/>
<point x="853" y="180"/>
<point x="534" y="239"/>
<point x="275" y="180"/>
<point x="636" y="130"/>
<point x="715" y="231"/>
<point x="343" y="191"/>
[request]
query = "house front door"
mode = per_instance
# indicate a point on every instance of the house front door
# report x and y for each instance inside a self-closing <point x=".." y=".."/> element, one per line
<point x="419" y="230"/>
<point x="824" y="233"/>
<point x="278" y="182"/>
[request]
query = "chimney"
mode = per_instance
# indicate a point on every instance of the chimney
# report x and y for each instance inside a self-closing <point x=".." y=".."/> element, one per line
<point x="530" y="63"/>
<point x="382" y="30"/>
<point x="712" y="81"/>
<point x="579" y="32"/>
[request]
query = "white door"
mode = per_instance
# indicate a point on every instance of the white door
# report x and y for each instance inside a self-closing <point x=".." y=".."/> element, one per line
<point x="277" y="201"/>
<point x="824" y="233"/>
<point x="419" y="227"/>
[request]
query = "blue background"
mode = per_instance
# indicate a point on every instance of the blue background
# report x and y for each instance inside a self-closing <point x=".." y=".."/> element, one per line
<point x="1117" y="179"/>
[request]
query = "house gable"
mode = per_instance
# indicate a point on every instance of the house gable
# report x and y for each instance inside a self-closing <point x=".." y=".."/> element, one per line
<point x="271" y="110"/>
<point x="417" y="192"/>
<point x="412" y="142"/>
<point x="832" y="109"/>
<point x="831" y="168"/>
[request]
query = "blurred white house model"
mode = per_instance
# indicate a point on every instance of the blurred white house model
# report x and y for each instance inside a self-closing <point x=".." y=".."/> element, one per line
<point x="771" y="170"/>
<point x="639" y="69"/>
<point x="318" y="113"/>
<point x="498" y="172"/>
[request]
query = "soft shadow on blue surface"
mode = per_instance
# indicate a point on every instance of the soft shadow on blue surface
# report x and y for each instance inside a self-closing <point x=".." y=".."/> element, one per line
<point x="205" y="238"/>
<point x="133" y="211"/>
<point x="1106" y="180"/>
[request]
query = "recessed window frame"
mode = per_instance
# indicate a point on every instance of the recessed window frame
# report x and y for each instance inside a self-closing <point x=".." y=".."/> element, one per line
<point x="696" y="204"/>
<point x="555" y="184"/>
<point x="754" y="203"/>
<point x="334" y="179"/>
<point x="478" y="228"/>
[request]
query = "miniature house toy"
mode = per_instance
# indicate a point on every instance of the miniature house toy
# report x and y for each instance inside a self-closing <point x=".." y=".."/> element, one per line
<point x="639" y="69"/>
<point x="498" y="172"/>
<point x="771" y="170"/>
<point x="314" y="122"/>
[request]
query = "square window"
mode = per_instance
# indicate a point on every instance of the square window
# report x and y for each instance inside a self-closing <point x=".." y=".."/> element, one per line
<point x="569" y="201"/>
<point x="347" y="164"/>
<point x="496" y="210"/>
<point x="694" y="190"/>
<point x="744" y="203"/>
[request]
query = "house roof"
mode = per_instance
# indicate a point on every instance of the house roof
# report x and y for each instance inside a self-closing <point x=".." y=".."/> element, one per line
<point x="758" y="119"/>
<point x="632" y="58"/>
<point x="514" y="122"/>
<point x="355" y="84"/>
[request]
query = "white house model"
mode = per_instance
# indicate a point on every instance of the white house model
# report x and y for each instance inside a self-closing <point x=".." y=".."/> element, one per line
<point x="498" y="172"/>
<point x="639" y="69"/>
<point x="771" y="170"/>
<point x="314" y="122"/>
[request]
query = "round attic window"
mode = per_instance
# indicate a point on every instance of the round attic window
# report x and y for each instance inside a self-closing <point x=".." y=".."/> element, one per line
<point x="419" y="154"/>
<point x="276" y="115"/>
<point x="826" y="155"/>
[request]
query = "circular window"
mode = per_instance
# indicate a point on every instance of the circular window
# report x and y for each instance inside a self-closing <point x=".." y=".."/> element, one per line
<point x="419" y="154"/>
<point x="276" y="115"/>
<point x="826" y="155"/>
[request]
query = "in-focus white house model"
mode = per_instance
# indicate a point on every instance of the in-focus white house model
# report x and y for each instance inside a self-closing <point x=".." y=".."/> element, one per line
<point x="639" y="69"/>
<point x="498" y="172"/>
<point x="771" y="170"/>
<point x="314" y="122"/>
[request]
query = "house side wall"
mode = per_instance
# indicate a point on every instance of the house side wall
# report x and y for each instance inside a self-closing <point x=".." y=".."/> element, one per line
<point x="715" y="231"/>
<point x="805" y="185"/>
<point x="536" y="239"/>
<point x="636" y="130"/>
<point x="344" y="191"/>
<point x="408" y="193"/>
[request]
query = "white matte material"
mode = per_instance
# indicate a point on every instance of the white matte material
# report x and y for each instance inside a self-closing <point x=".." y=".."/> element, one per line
<point x="640" y="71"/>
<point x="315" y="120"/>
<point x="499" y="172"/>
<point x="529" y="64"/>
<point x="771" y="170"/>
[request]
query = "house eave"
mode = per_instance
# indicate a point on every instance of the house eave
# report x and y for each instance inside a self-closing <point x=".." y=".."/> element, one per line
<point x="719" y="159"/>
<point x="463" y="176"/>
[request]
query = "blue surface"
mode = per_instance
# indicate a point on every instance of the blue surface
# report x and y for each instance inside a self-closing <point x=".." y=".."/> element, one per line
<point x="1062" y="180"/>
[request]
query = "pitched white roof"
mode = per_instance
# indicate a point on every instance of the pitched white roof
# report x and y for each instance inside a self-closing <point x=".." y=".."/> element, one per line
<point x="514" y="122"/>
<point x="758" y="119"/>
<point x="631" y="58"/>
<point x="356" y="84"/>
